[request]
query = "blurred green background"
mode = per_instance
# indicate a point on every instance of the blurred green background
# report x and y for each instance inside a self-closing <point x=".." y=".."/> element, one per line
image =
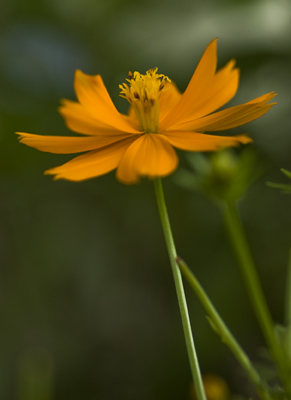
<point x="86" y="291"/>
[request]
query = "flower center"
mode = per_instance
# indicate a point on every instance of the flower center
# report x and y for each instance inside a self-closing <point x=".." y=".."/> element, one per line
<point x="143" y="93"/>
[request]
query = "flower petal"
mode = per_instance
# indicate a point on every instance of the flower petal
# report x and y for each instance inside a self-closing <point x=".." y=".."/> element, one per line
<point x="151" y="155"/>
<point x="169" y="98"/>
<point x="231" y="117"/>
<point x="79" y="120"/>
<point x="199" y="83"/>
<point x="93" y="96"/>
<point x="222" y="89"/>
<point x="67" y="144"/>
<point x="92" y="164"/>
<point x="193" y="141"/>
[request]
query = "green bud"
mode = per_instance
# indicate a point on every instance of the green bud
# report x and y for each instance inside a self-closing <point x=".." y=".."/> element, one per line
<point x="223" y="175"/>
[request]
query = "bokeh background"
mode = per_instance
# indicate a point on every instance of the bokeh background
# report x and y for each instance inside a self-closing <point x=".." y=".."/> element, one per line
<point x="87" y="299"/>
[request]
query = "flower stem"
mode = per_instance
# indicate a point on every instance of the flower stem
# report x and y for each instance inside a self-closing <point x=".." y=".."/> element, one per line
<point x="196" y="374"/>
<point x="249" y="273"/>
<point x="288" y="294"/>
<point x="223" y="331"/>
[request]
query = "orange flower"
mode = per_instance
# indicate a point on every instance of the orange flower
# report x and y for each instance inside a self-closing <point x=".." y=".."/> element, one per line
<point x="160" y="117"/>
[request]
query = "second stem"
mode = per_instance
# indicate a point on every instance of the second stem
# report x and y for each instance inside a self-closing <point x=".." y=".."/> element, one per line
<point x="180" y="291"/>
<point x="249" y="273"/>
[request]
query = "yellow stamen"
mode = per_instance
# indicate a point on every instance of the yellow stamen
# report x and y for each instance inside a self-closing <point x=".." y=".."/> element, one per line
<point x="143" y="93"/>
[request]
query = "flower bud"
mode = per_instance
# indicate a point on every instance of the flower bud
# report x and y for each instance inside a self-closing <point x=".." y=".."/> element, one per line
<point x="223" y="175"/>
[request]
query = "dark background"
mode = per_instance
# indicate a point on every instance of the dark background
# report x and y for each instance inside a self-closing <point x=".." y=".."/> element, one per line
<point x="86" y="289"/>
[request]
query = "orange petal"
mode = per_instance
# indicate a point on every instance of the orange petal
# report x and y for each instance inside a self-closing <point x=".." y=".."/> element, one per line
<point x="151" y="155"/>
<point x="92" y="164"/>
<point x="169" y="98"/>
<point x="222" y="89"/>
<point x="93" y="96"/>
<point x="199" y="83"/>
<point x="193" y="141"/>
<point x="67" y="144"/>
<point x="79" y="120"/>
<point x="231" y="117"/>
<point x="263" y="99"/>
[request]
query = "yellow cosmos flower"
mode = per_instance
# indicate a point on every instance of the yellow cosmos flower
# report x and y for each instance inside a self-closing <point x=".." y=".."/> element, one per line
<point x="160" y="118"/>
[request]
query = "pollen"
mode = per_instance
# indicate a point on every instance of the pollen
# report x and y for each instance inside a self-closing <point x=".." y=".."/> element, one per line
<point x="143" y="92"/>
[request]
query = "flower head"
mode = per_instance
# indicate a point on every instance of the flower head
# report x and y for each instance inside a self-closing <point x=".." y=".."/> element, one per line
<point x="144" y="93"/>
<point x="141" y="144"/>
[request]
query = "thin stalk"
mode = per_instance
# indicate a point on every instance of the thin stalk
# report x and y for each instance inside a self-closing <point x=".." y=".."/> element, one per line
<point x="223" y="331"/>
<point x="288" y="294"/>
<point x="195" y="369"/>
<point x="250" y="276"/>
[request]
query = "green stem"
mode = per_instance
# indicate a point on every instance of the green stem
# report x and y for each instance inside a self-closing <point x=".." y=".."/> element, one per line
<point x="288" y="294"/>
<point x="223" y="331"/>
<point x="249" y="273"/>
<point x="180" y="291"/>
